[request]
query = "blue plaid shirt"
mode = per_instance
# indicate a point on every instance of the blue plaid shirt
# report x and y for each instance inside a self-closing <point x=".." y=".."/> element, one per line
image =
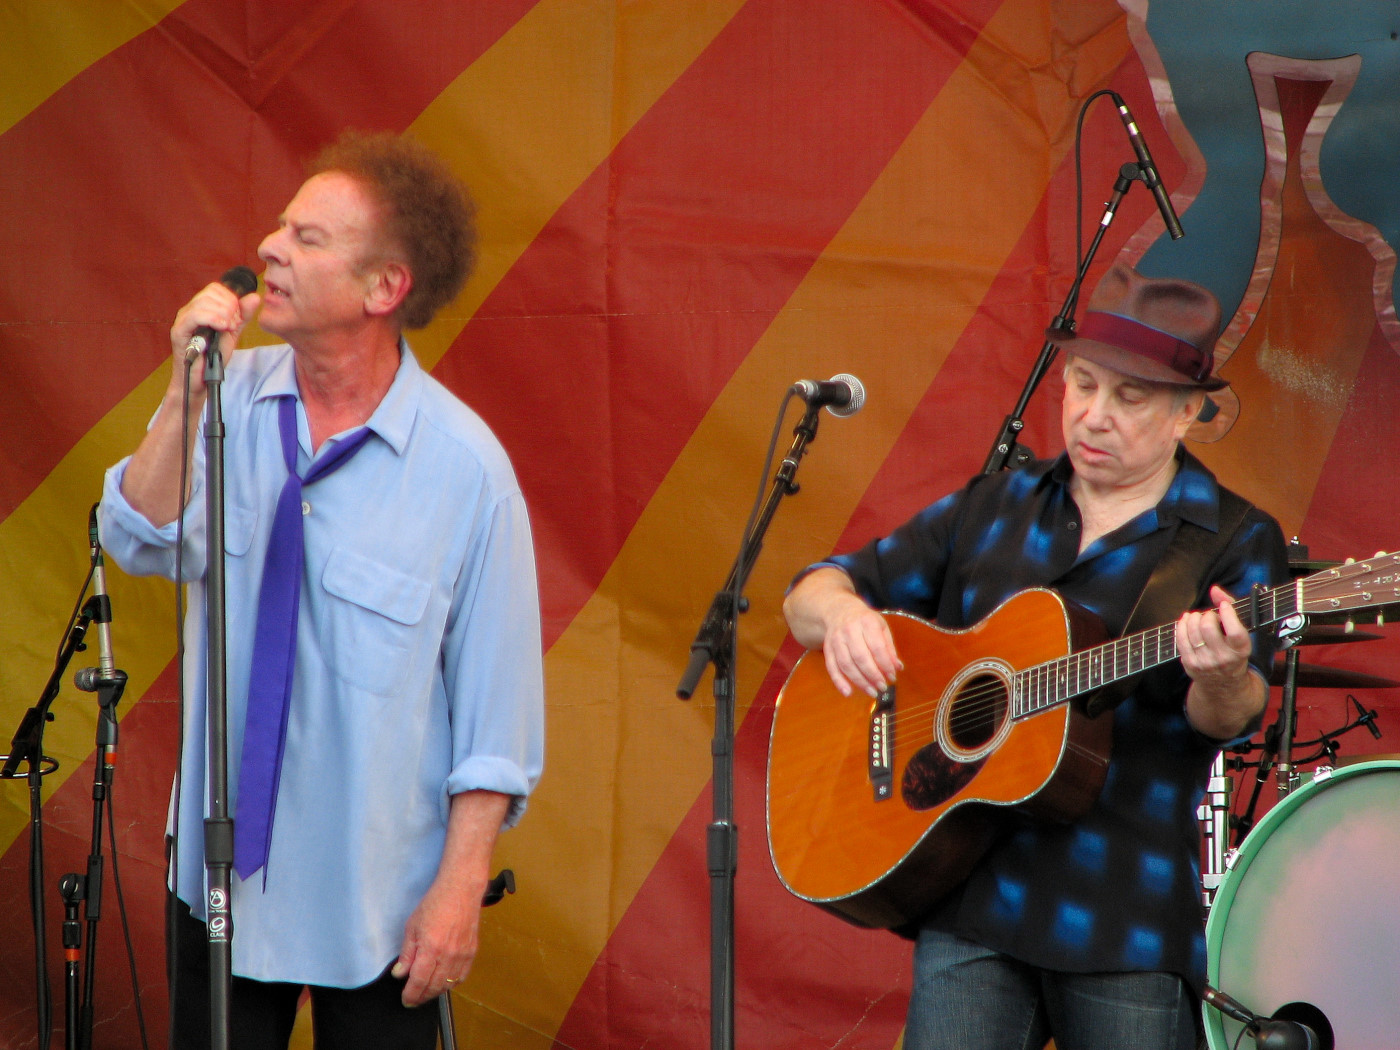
<point x="1119" y="889"/>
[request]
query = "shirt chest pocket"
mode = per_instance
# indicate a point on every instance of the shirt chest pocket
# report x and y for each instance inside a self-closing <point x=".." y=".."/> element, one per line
<point x="373" y="617"/>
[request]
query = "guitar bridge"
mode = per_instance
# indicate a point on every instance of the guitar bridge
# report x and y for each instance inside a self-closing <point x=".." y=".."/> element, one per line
<point x="881" y="757"/>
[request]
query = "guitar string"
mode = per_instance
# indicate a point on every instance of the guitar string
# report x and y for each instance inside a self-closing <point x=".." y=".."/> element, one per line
<point x="1299" y="590"/>
<point x="1047" y="685"/>
<point x="988" y="702"/>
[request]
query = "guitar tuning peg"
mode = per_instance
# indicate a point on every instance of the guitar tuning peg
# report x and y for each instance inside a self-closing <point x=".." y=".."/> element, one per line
<point x="1379" y="554"/>
<point x="1349" y="626"/>
<point x="1349" y="561"/>
<point x="1380" y="617"/>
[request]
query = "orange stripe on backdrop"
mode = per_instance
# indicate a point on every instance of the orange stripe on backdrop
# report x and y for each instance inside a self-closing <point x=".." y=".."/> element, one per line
<point x="888" y="298"/>
<point x="48" y="43"/>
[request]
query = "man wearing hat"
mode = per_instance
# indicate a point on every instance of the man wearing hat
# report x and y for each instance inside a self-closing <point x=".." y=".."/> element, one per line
<point x="1089" y="932"/>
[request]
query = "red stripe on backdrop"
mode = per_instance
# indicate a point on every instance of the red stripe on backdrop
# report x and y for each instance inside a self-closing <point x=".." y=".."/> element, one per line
<point x="1369" y="430"/>
<point x="643" y="990"/>
<point x="661" y="272"/>
<point x="134" y="181"/>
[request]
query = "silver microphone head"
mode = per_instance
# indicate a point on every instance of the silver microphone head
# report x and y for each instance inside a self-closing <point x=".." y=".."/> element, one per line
<point x="857" y="401"/>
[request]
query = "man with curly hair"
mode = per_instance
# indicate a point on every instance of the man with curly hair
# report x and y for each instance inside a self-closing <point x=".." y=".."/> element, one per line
<point x="386" y="719"/>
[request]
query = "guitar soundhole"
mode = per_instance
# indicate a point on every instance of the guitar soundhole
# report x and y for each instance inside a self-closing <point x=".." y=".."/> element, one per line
<point x="977" y="712"/>
<point x="968" y="729"/>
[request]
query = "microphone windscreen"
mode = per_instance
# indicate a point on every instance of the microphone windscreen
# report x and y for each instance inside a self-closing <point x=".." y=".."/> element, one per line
<point x="240" y="280"/>
<point x="857" y="401"/>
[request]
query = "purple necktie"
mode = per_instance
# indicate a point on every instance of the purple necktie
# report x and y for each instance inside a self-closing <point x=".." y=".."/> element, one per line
<point x="274" y="650"/>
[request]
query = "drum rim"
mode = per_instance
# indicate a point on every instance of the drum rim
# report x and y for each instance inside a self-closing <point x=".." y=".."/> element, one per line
<point x="1229" y="885"/>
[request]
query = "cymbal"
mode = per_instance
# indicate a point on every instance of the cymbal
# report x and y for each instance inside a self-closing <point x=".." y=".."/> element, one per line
<point x="1322" y="677"/>
<point x="1307" y="566"/>
<point x="1333" y="634"/>
<point x="1374" y="615"/>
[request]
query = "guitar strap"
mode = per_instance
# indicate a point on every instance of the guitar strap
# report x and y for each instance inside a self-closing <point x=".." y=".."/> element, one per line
<point x="1178" y="582"/>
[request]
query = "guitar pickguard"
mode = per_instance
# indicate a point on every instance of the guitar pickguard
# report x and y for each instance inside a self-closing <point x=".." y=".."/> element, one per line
<point x="931" y="777"/>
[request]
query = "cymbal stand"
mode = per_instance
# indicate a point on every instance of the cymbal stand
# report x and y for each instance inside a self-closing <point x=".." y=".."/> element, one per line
<point x="1277" y="749"/>
<point x="1285" y="773"/>
<point x="1326" y="742"/>
<point x="1269" y="751"/>
<point x="1214" y="815"/>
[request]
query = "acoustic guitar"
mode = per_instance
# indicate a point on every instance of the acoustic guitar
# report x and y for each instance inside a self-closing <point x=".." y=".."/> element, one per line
<point x="877" y="808"/>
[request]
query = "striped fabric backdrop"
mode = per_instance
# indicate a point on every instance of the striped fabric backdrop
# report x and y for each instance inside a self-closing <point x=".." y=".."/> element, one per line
<point x="685" y="206"/>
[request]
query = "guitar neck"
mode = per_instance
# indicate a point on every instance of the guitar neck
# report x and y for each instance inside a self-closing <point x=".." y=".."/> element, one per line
<point x="1059" y="681"/>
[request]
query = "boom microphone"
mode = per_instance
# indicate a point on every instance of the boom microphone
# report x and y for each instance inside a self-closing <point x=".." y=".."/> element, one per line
<point x="1148" y="168"/>
<point x="1294" y="1026"/>
<point x="841" y="395"/>
<point x="240" y="281"/>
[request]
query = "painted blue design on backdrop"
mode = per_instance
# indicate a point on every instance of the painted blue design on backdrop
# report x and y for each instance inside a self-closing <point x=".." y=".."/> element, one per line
<point x="1203" y="49"/>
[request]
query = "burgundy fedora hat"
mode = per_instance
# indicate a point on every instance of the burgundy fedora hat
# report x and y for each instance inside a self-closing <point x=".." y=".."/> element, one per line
<point x="1159" y="329"/>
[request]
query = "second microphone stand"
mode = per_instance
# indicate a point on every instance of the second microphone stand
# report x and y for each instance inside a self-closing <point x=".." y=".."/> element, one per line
<point x="717" y="643"/>
<point x="1004" y="451"/>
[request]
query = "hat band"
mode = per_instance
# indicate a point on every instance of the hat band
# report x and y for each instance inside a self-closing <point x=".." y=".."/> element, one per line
<point x="1123" y="332"/>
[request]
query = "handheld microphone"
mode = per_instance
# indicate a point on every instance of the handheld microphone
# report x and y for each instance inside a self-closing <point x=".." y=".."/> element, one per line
<point x="841" y="395"/>
<point x="1148" y="168"/>
<point x="240" y="280"/>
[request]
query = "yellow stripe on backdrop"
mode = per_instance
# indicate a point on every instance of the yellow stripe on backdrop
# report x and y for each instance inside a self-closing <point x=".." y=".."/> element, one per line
<point x="888" y="300"/>
<point x="524" y="125"/>
<point x="58" y="39"/>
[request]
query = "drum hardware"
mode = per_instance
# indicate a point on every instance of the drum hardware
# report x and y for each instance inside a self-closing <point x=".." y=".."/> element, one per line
<point x="1322" y="860"/>
<point x="1214" y="815"/>
<point x="1293" y="1026"/>
<point x="1324" y="746"/>
<point x="1277" y="748"/>
<point x="1331" y="844"/>
<point x="1289" y="673"/>
<point x="1289" y="632"/>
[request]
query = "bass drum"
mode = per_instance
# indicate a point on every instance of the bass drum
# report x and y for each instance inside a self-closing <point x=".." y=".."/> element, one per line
<point x="1310" y="911"/>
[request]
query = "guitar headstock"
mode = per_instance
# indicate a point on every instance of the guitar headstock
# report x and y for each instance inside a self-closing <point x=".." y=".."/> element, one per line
<point x="1361" y="584"/>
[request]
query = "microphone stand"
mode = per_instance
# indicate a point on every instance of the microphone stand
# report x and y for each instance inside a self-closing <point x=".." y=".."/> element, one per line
<point x="1004" y="448"/>
<point x="717" y="643"/>
<point x="28" y="746"/>
<point x="218" y="827"/>
<point x="72" y="887"/>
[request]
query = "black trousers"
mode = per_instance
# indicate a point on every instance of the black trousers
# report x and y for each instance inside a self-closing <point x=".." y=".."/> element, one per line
<point x="262" y="1013"/>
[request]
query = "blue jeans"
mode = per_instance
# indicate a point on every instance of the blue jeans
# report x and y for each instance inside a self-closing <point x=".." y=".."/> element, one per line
<point x="967" y="997"/>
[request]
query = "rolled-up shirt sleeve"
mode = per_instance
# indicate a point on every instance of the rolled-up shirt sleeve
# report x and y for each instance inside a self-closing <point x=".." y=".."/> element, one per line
<point x="492" y="666"/>
<point x="141" y="548"/>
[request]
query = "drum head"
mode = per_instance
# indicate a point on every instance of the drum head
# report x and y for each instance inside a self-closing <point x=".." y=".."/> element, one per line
<point x="1310" y="912"/>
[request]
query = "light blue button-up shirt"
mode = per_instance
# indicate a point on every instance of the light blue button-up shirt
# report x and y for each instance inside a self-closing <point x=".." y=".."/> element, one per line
<point x="418" y="664"/>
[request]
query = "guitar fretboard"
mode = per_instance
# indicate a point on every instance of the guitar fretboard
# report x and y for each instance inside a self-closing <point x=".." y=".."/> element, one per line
<point x="1057" y="681"/>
